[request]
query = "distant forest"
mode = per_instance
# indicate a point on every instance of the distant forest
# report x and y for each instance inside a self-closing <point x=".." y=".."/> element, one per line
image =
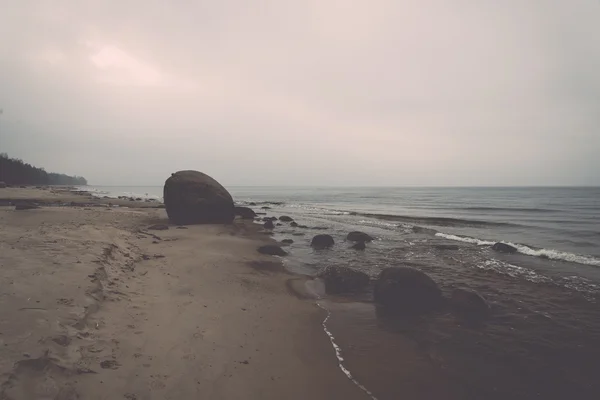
<point x="17" y="172"/>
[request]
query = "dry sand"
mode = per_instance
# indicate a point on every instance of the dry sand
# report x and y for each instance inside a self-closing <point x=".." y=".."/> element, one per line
<point x="94" y="306"/>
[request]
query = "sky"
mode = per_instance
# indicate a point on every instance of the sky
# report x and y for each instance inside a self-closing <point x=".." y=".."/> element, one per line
<point x="312" y="92"/>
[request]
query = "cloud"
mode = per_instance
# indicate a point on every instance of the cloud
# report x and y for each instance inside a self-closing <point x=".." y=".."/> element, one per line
<point x="318" y="92"/>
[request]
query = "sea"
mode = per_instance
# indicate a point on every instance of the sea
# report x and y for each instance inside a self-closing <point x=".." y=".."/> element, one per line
<point x="543" y="338"/>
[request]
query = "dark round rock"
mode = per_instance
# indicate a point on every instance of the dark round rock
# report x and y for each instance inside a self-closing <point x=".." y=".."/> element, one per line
<point x="504" y="248"/>
<point x="322" y="241"/>
<point x="272" y="250"/>
<point x="469" y="302"/>
<point x="343" y="279"/>
<point x="359" y="246"/>
<point x="269" y="224"/>
<point x="407" y="290"/>
<point x="293" y="224"/>
<point x="359" y="237"/>
<point x="244" y="212"/>
<point x="285" y="218"/>
<point x="287" y="241"/>
<point x="192" y="197"/>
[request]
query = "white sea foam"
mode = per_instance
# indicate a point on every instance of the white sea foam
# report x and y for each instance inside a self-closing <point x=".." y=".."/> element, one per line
<point x="465" y="239"/>
<point x="338" y="354"/>
<point x="544" y="253"/>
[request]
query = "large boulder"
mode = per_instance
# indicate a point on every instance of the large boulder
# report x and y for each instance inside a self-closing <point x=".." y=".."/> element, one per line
<point x="504" y="248"/>
<point x="244" y="212"/>
<point x="272" y="250"/>
<point x="192" y="197"/>
<point x="322" y="241"/>
<point x="407" y="290"/>
<point x="359" y="237"/>
<point x="286" y="218"/>
<point x="469" y="302"/>
<point x="343" y="279"/>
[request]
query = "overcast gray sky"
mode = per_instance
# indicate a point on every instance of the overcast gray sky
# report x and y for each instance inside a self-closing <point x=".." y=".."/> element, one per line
<point x="311" y="92"/>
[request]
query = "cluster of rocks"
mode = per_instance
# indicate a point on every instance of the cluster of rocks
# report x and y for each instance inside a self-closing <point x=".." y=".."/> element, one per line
<point x="404" y="290"/>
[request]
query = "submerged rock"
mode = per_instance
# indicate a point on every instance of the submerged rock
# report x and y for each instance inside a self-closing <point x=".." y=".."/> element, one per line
<point x="293" y="224"/>
<point x="359" y="237"/>
<point x="359" y="246"/>
<point x="322" y="241"/>
<point x="469" y="302"/>
<point x="343" y="279"/>
<point x="287" y="241"/>
<point x="285" y="218"/>
<point x="192" y="197"/>
<point x="407" y="290"/>
<point x="504" y="248"/>
<point x="244" y="212"/>
<point x="272" y="250"/>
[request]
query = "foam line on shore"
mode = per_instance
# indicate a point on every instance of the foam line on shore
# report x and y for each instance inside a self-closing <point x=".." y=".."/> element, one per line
<point x="338" y="354"/>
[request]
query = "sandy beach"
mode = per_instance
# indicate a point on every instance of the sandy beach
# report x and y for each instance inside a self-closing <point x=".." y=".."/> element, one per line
<point x="94" y="305"/>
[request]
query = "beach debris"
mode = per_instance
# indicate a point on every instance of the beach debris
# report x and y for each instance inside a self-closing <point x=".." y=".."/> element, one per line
<point x="359" y="246"/>
<point x="322" y="241"/>
<point x="192" y="197"/>
<point x="158" y="227"/>
<point x="26" y="206"/>
<point x="272" y="250"/>
<point x="504" y="248"/>
<point x="269" y="224"/>
<point x="244" y="212"/>
<point x="286" y="218"/>
<point x="469" y="302"/>
<point x="359" y="237"/>
<point x="407" y="290"/>
<point x="343" y="279"/>
<point x="110" y="364"/>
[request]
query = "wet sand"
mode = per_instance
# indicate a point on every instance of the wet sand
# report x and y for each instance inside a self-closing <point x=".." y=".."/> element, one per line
<point x="95" y="306"/>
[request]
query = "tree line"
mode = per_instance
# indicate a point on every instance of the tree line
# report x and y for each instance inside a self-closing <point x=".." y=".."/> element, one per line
<point x="14" y="171"/>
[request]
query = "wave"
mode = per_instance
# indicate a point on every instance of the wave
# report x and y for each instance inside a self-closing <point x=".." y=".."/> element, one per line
<point x="543" y="253"/>
<point x="513" y="209"/>
<point x="437" y="221"/>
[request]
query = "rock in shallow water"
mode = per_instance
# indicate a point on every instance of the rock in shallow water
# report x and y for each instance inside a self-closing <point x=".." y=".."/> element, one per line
<point x="359" y="237"/>
<point x="192" y="197"/>
<point x="343" y="279"/>
<point x="285" y="218"/>
<point x="269" y="225"/>
<point x="359" y="246"/>
<point x="469" y="302"/>
<point x="504" y="248"/>
<point x="272" y="250"/>
<point x="245" y="212"/>
<point x="322" y="241"/>
<point x="407" y="290"/>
